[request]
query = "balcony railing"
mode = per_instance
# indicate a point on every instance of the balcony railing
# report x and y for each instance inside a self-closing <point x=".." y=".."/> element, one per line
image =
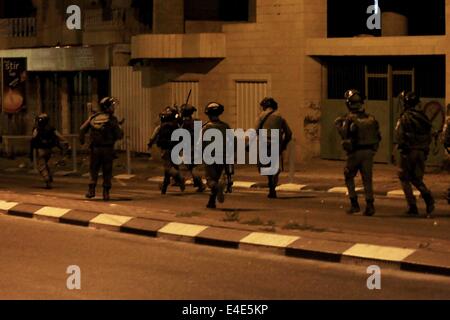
<point x="18" y="27"/>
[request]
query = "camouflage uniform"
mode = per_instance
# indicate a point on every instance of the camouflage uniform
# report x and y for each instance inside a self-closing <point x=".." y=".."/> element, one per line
<point x="361" y="136"/>
<point x="44" y="139"/>
<point x="165" y="143"/>
<point x="214" y="171"/>
<point x="272" y="119"/>
<point x="105" y="131"/>
<point x="413" y="135"/>
<point x="188" y="124"/>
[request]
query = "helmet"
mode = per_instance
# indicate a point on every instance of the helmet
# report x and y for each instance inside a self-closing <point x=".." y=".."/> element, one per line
<point x="409" y="99"/>
<point x="169" y="114"/>
<point x="42" y="120"/>
<point x="108" y="104"/>
<point x="354" y="99"/>
<point x="214" y="109"/>
<point x="187" y="110"/>
<point x="269" y="102"/>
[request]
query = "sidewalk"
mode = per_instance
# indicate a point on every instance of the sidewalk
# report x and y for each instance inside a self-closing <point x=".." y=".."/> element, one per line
<point x="317" y="175"/>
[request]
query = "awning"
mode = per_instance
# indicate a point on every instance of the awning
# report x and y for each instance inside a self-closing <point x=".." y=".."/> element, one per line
<point x="64" y="58"/>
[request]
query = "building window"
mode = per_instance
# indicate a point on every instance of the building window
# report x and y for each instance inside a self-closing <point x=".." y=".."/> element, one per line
<point x="180" y="93"/>
<point x="219" y="10"/>
<point x="17" y="9"/>
<point x="249" y="94"/>
<point x="144" y="11"/>
<point x="430" y="77"/>
<point x="423" y="74"/>
<point x="344" y="75"/>
<point x="348" y="18"/>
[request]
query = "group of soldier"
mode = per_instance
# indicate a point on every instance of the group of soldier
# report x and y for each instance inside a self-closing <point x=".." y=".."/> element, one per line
<point x="361" y="138"/>
<point x="359" y="131"/>
<point x="105" y="130"/>
<point x="173" y="119"/>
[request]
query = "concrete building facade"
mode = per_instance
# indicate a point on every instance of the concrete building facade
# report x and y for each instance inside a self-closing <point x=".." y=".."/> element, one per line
<point x="304" y="53"/>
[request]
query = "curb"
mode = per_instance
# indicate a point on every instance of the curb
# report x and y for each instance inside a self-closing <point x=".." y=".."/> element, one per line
<point x="405" y="259"/>
<point x="396" y="194"/>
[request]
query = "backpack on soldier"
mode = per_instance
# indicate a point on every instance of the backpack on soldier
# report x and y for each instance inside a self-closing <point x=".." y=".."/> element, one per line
<point x="46" y="138"/>
<point x="418" y="128"/>
<point x="101" y="132"/>
<point x="164" y="141"/>
<point x="365" y="131"/>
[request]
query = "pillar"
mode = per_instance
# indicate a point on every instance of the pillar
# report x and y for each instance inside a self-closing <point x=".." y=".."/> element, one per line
<point x="65" y="108"/>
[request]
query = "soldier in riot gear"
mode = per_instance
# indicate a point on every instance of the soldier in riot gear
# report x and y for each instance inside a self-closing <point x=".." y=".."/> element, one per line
<point x="105" y="131"/>
<point x="163" y="139"/>
<point x="361" y="137"/>
<point x="271" y="119"/>
<point x="413" y="134"/>
<point x="214" y="171"/>
<point x="45" y="138"/>
<point x="187" y="122"/>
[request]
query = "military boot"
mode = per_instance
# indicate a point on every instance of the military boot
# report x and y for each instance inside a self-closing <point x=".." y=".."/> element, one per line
<point x="165" y="185"/>
<point x="272" y="194"/>
<point x="272" y="188"/>
<point x="412" y="210"/>
<point x="354" y="206"/>
<point x="182" y="183"/>
<point x="212" y="202"/>
<point x="91" y="191"/>
<point x="48" y="185"/>
<point x="106" y="196"/>
<point x="198" y="183"/>
<point x="370" y="208"/>
<point x="220" y="193"/>
<point x="429" y="201"/>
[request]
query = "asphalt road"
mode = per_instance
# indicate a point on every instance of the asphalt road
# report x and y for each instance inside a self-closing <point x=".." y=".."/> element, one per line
<point x="316" y="212"/>
<point x="35" y="256"/>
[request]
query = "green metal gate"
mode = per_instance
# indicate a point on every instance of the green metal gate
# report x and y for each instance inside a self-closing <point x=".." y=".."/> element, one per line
<point x="382" y="84"/>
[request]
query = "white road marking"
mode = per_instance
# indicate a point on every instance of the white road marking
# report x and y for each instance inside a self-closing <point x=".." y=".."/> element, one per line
<point x="400" y="194"/>
<point x="181" y="229"/>
<point x="267" y="239"/>
<point x="111" y="220"/>
<point x="378" y="252"/>
<point x="125" y="176"/>
<point x="156" y="179"/>
<point x="291" y="187"/>
<point x="52" y="212"/>
<point x="343" y="190"/>
<point x="86" y="175"/>
<point x="243" y="184"/>
<point x="7" y="205"/>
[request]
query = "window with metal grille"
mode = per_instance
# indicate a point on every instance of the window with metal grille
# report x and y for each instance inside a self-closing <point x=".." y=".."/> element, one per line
<point x="344" y="75"/>
<point x="180" y="93"/>
<point x="219" y="10"/>
<point x="249" y="94"/>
